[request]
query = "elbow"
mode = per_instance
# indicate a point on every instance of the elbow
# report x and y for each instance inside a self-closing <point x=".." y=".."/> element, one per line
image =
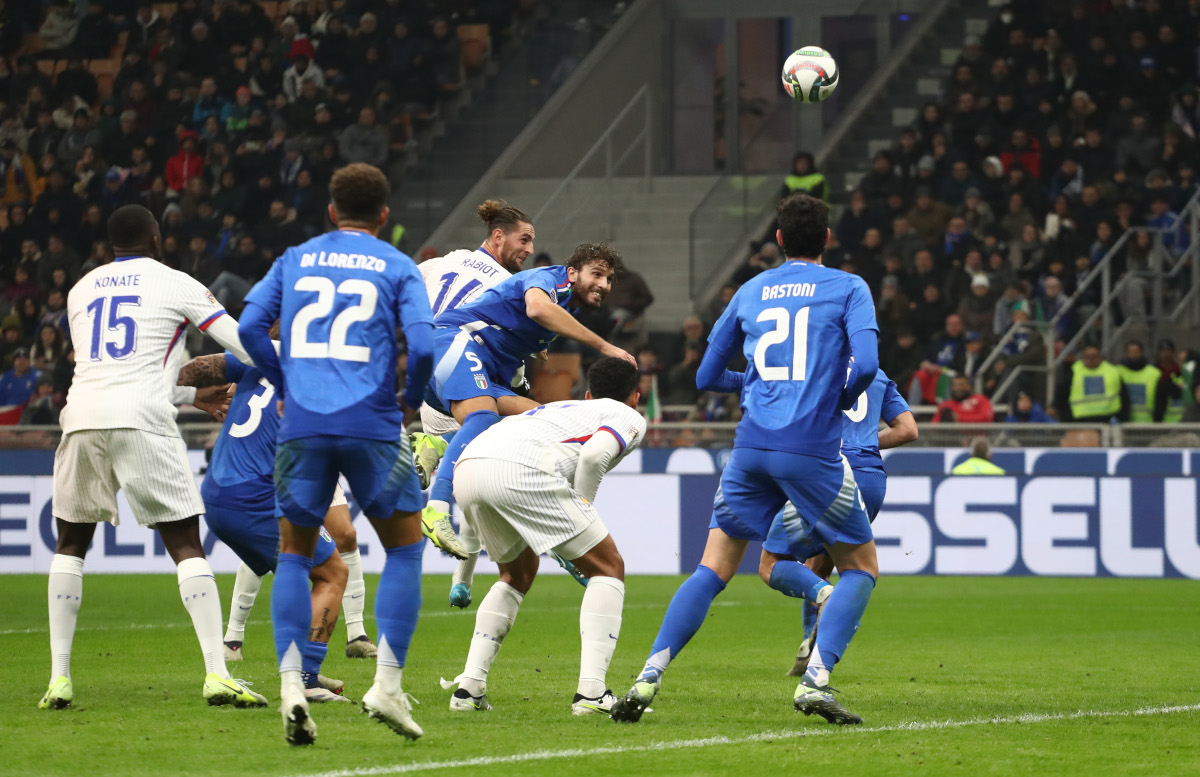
<point x="911" y="433"/>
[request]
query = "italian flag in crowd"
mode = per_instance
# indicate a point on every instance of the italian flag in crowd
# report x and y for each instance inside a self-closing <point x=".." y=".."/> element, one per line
<point x="654" y="413"/>
<point x="10" y="414"/>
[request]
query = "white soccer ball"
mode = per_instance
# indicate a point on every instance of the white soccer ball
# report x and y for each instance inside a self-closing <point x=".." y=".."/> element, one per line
<point x="810" y="74"/>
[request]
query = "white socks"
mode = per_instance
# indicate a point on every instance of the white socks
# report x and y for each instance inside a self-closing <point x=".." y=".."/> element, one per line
<point x="245" y="590"/>
<point x="441" y="505"/>
<point x="599" y="627"/>
<point x="495" y="617"/>
<point x="354" y="600"/>
<point x="198" y="589"/>
<point x="465" y="571"/>
<point x="65" y="594"/>
<point x="388" y="672"/>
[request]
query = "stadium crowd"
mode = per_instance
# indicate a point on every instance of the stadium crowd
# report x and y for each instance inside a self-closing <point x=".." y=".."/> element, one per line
<point x="225" y="118"/>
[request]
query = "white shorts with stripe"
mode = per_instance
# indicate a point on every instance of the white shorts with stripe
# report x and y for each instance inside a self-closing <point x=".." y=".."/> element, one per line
<point x="435" y="423"/>
<point x="91" y="465"/>
<point x="512" y="507"/>
<point x="339" y="497"/>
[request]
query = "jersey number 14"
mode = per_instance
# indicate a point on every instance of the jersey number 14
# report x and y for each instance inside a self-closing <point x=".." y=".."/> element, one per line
<point x="783" y="320"/>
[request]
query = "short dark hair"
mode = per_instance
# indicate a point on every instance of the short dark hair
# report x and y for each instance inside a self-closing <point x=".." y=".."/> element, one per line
<point x="804" y="222"/>
<point x="131" y="225"/>
<point x="498" y="214"/>
<point x="586" y="253"/>
<point x="359" y="192"/>
<point x="612" y="378"/>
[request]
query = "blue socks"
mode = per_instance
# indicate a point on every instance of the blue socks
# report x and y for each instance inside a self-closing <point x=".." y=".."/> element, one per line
<point x="685" y="615"/>
<point x="473" y="425"/>
<point x="794" y="579"/>
<point x="810" y="618"/>
<point x="291" y="609"/>
<point x="843" y="611"/>
<point x="312" y="655"/>
<point x="397" y="601"/>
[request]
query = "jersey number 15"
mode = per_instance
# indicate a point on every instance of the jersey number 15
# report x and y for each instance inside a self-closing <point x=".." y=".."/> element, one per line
<point x="783" y="320"/>
<point x="124" y="327"/>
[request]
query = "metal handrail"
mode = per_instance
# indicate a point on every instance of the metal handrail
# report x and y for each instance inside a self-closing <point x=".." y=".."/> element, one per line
<point x="605" y="142"/>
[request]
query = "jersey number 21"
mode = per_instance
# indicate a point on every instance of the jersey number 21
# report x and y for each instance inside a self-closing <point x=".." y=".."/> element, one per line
<point x="783" y="321"/>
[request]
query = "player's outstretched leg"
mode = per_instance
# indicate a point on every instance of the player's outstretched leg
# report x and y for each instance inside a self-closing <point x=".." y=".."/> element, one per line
<point x="428" y="450"/>
<point x="397" y="604"/>
<point x="493" y="620"/>
<point x="791" y="578"/>
<point x="858" y="570"/>
<point x="64" y="597"/>
<point x="464" y="573"/>
<point x="245" y="591"/>
<point x="435" y="519"/>
<point x="354" y="601"/>
<point x="291" y="618"/>
<point x="822" y="565"/>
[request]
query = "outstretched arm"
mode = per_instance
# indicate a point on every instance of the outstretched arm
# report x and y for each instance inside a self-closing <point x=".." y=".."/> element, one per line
<point x="712" y="375"/>
<point x="203" y="371"/>
<point x="541" y="309"/>
<point x="902" y="430"/>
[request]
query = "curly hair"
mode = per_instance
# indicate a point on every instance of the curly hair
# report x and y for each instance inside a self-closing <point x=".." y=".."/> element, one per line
<point x="359" y="192"/>
<point x="587" y="253"/>
<point x="498" y="214"/>
<point x="612" y="378"/>
<point x="804" y="222"/>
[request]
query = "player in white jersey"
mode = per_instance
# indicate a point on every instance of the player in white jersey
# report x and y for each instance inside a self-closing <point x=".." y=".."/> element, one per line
<point x="453" y="280"/>
<point x="526" y="486"/>
<point x="119" y="433"/>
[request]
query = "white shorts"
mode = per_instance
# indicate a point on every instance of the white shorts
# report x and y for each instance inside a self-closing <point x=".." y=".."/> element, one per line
<point x="91" y="465"/>
<point x="512" y="507"/>
<point x="435" y="423"/>
<point x="339" y="497"/>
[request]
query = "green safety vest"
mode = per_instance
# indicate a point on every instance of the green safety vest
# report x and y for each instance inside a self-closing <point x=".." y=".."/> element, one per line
<point x="813" y="183"/>
<point x="977" y="466"/>
<point x="1095" y="392"/>
<point x="1142" y="386"/>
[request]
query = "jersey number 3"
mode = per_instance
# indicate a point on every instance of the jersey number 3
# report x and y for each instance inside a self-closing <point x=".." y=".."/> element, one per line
<point x="256" y="405"/>
<point x="782" y="320"/>
<point x="336" y="348"/>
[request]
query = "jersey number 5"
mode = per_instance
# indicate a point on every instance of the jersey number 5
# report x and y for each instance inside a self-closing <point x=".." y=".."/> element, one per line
<point x="336" y="348"/>
<point x="126" y="342"/>
<point x="782" y="320"/>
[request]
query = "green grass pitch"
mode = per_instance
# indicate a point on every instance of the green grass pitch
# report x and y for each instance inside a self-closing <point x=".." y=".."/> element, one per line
<point x="952" y="675"/>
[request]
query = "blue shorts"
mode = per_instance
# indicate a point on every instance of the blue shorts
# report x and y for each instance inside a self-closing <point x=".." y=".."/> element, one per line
<point x="756" y="484"/>
<point x="254" y="537"/>
<point x="872" y="483"/>
<point x="464" y="369"/>
<point x="380" y="473"/>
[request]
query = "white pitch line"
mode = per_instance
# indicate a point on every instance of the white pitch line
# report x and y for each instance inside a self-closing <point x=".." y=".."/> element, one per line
<point x="766" y="736"/>
<point x="439" y="614"/>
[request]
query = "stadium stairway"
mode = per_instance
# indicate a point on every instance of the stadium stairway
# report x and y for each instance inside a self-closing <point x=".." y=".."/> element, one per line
<point x="921" y="79"/>
<point x="645" y="220"/>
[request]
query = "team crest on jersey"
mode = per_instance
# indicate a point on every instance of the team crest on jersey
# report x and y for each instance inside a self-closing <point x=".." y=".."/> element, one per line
<point x="210" y="296"/>
<point x="480" y="381"/>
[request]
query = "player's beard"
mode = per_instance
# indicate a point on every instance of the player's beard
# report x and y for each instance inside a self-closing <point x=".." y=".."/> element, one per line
<point x="590" y="297"/>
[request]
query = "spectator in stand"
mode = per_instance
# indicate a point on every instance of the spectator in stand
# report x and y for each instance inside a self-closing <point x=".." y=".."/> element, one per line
<point x="364" y="141"/>
<point x="242" y="269"/>
<point x="17" y="385"/>
<point x="904" y="242"/>
<point x="957" y="241"/>
<point x="893" y="307"/>
<point x="96" y="33"/>
<point x="767" y="257"/>
<point x="855" y="220"/>
<point x="629" y="303"/>
<point x="978" y="308"/>
<point x="882" y="181"/>
<point x="50" y="346"/>
<point x="973" y="357"/>
<point x="41" y="407"/>
<point x="965" y="406"/>
<point x="302" y="69"/>
<point x="715" y="308"/>
<point x="805" y="178"/>
<point x="1138" y="150"/>
<point x="1095" y="393"/>
<point x="59" y="29"/>
<point x="901" y="358"/>
<point x="924" y="273"/>
<point x="929" y="217"/>
<point x="1025" y="411"/>
<point x="185" y="165"/>
<point x="18" y="174"/>
<point x="947" y="346"/>
<point x="1054" y="302"/>
<point x="980" y="461"/>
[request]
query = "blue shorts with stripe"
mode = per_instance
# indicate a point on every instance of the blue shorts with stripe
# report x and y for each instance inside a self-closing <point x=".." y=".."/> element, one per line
<point x="254" y="536"/>
<point x="380" y="473"/>
<point x="756" y="484"/>
<point x="872" y="484"/>
<point x="463" y="368"/>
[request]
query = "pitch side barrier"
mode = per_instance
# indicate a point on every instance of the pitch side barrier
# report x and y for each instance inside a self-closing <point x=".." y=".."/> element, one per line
<point x="1117" y="512"/>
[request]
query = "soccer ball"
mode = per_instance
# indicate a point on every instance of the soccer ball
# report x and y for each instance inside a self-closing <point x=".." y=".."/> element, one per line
<point x="810" y="74"/>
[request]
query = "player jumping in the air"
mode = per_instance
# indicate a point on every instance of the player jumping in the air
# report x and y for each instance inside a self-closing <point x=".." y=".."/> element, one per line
<point x="340" y="298"/>
<point x="119" y="433"/>
<point x="780" y="563"/>
<point x="526" y="485"/>
<point x="799" y="326"/>
<point x="481" y="345"/>
<point x="239" y="502"/>
<point x="453" y="280"/>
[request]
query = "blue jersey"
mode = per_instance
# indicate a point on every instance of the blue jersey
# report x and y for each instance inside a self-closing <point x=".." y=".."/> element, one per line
<point x="860" y="424"/>
<point x="241" y="472"/>
<point x="794" y="325"/>
<point x="340" y="298"/>
<point x="511" y="335"/>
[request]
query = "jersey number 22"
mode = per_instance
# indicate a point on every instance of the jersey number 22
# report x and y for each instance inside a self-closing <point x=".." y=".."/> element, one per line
<point x="336" y="348"/>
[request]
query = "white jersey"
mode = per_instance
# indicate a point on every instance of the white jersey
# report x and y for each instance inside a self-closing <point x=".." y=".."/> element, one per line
<point x="459" y="277"/>
<point x="127" y="319"/>
<point x="550" y="437"/>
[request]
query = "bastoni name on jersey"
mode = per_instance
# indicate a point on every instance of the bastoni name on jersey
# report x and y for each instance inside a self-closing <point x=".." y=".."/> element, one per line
<point x="343" y="261"/>
<point x="781" y="290"/>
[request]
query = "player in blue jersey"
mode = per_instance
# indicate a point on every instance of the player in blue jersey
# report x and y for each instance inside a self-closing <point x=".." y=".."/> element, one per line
<point x="239" y="503"/>
<point x="803" y="570"/>
<point x="799" y="326"/>
<point x="340" y="298"/>
<point x="479" y="347"/>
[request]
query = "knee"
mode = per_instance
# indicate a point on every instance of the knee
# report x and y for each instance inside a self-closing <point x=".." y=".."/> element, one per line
<point x="614" y="566"/>
<point x="346" y="539"/>
<point x="766" y="563"/>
